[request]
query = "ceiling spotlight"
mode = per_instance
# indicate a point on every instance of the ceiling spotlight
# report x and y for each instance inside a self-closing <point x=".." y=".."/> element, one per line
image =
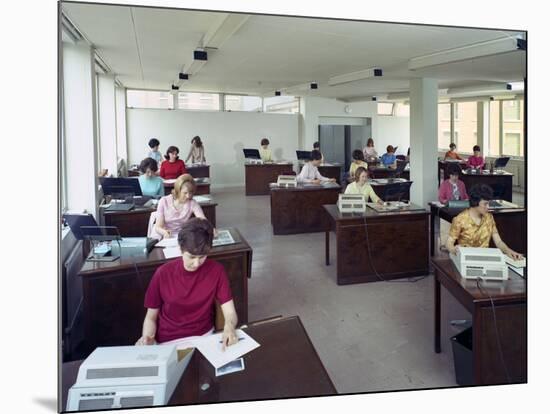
<point x="175" y="87"/>
<point x="183" y="76"/>
<point x="314" y="85"/>
<point x="373" y="99"/>
<point x="200" y="55"/>
<point x="277" y="93"/>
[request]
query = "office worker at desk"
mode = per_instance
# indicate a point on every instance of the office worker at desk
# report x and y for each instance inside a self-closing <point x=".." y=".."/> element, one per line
<point x="175" y="209"/>
<point x="476" y="160"/>
<point x="172" y="167"/>
<point x="452" y="188"/>
<point x="196" y="153"/>
<point x="360" y="186"/>
<point x="310" y="173"/>
<point x="369" y="152"/>
<point x="151" y="184"/>
<point x="389" y="159"/>
<point x="475" y="226"/>
<point x="358" y="161"/>
<point x="180" y="299"/>
<point x="155" y="154"/>
<point x="452" y="154"/>
<point x="317" y="147"/>
<point x="265" y="152"/>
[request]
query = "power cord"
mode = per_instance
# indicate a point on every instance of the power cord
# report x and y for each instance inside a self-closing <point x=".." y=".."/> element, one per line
<point x="483" y="291"/>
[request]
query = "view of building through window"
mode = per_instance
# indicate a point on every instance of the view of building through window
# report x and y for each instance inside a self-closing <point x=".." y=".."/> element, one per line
<point x="199" y="101"/>
<point x="149" y="99"/>
<point x="443" y="126"/>
<point x="465" y="126"/>
<point x="243" y="103"/>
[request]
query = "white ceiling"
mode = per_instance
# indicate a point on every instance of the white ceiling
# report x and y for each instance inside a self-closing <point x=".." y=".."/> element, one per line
<point x="147" y="47"/>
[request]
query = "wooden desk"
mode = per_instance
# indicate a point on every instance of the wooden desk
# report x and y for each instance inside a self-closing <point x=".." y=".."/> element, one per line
<point x="286" y="365"/>
<point x="510" y="311"/>
<point x="379" y="187"/>
<point x="397" y="244"/>
<point x="300" y="210"/>
<point x="134" y="223"/>
<point x="199" y="170"/>
<point x="259" y="176"/>
<point x="113" y="292"/>
<point x="381" y="172"/>
<point x="511" y="224"/>
<point x="500" y="183"/>
<point x="329" y="170"/>
<point x="203" y="186"/>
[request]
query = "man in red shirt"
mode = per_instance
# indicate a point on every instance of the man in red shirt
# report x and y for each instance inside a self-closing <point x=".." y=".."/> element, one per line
<point x="180" y="299"/>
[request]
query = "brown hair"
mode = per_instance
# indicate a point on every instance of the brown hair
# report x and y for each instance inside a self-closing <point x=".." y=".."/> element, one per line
<point x="265" y="141"/>
<point x="369" y="142"/>
<point x="359" y="171"/>
<point x="195" y="236"/>
<point x="389" y="148"/>
<point x="172" y="149"/>
<point x="148" y="163"/>
<point x="184" y="179"/>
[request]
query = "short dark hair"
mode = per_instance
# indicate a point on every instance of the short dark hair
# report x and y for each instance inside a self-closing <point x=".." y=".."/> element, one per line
<point x="316" y="145"/>
<point x="153" y="142"/>
<point x="148" y="163"/>
<point x="453" y="169"/>
<point x="170" y="149"/>
<point x="390" y="148"/>
<point x="197" y="141"/>
<point x="452" y="145"/>
<point x="196" y="236"/>
<point x="480" y="192"/>
<point x="370" y="141"/>
<point x="316" y="155"/>
<point x="476" y="148"/>
<point x="359" y="171"/>
<point x="357" y="155"/>
<point x="264" y="141"/>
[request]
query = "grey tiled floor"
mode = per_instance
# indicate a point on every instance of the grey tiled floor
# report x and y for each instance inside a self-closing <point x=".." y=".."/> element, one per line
<point x="370" y="337"/>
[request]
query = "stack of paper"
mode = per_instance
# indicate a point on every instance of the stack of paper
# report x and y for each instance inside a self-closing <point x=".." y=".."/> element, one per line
<point x="170" y="252"/>
<point x="171" y="242"/>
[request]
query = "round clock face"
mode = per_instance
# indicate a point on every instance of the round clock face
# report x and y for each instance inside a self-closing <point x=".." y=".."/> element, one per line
<point x="347" y="109"/>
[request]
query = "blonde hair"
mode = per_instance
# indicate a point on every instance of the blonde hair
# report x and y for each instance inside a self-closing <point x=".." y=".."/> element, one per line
<point x="184" y="179"/>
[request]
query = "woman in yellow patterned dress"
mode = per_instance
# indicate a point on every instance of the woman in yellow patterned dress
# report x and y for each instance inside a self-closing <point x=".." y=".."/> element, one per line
<point x="475" y="226"/>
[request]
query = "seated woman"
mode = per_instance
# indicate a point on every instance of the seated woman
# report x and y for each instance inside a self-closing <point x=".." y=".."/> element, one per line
<point x="358" y="161"/>
<point x="173" y="167"/>
<point x="475" y="226"/>
<point x="196" y="153"/>
<point x="452" y="154"/>
<point x="369" y="153"/>
<point x="310" y="173"/>
<point x="175" y="209"/>
<point x="317" y="147"/>
<point x="265" y="152"/>
<point x="360" y="186"/>
<point x="151" y="184"/>
<point x="476" y="160"/>
<point x="180" y="299"/>
<point x="452" y="188"/>
<point x="389" y="159"/>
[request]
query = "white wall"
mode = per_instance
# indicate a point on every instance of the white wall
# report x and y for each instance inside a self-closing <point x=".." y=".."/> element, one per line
<point x="386" y="130"/>
<point x="120" y="103"/>
<point x="107" y="123"/>
<point x="224" y="135"/>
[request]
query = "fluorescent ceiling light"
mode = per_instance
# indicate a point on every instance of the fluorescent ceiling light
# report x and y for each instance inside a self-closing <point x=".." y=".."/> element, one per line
<point x="398" y="96"/>
<point x="480" y="89"/>
<point x="489" y="48"/>
<point x="517" y="86"/>
<point x="355" y="76"/>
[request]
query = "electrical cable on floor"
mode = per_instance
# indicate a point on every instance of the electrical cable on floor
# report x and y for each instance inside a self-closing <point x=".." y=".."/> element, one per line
<point x="483" y="291"/>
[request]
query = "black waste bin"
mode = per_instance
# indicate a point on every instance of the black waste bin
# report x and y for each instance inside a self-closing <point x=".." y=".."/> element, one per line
<point x="463" y="357"/>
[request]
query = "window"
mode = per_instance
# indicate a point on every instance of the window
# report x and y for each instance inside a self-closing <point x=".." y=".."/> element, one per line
<point x="282" y="104"/>
<point x="149" y="99"/>
<point x="466" y="126"/>
<point x="62" y="147"/>
<point x="512" y="127"/>
<point x="494" y="128"/>
<point x="402" y="109"/>
<point x="385" y="108"/>
<point x="511" y="111"/>
<point x="511" y="144"/>
<point x="243" y="103"/>
<point x="443" y="126"/>
<point x="199" y="101"/>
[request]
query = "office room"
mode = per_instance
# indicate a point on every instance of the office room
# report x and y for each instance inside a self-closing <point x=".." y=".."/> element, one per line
<point x="324" y="180"/>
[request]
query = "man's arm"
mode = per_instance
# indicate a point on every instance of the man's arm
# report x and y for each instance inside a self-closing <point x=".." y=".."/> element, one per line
<point x="229" y="336"/>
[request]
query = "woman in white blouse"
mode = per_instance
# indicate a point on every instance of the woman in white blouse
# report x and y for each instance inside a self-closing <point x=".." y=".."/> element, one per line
<point x="196" y="153"/>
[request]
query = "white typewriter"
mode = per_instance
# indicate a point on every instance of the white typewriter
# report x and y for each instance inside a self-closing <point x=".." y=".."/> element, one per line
<point x="127" y="376"/>
<point x="480" y="262"/>
<point x="287" y="181"/>
<point x="351" y="203"/>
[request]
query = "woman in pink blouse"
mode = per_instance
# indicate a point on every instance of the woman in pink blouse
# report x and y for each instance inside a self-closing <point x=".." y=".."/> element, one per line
<point x="175" y="209"/>
<point x="476" y="160"/>
<point x="452" y="188"/>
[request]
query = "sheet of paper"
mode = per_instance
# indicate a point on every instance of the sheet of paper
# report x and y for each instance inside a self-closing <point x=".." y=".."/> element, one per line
<point x="170" y="181"/>
<point x="224" y="237"/>
<point x="171" y="252"/>
<point x="170" y="242"/>
<point x="202" y="198"/>
<point x="438" y="204"/>
<point x="211" y="348"/>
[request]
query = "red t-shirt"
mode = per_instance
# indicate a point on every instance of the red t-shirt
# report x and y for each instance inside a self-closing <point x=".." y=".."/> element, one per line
<point x="170" y="170"/>
<point x="186" y="299"/>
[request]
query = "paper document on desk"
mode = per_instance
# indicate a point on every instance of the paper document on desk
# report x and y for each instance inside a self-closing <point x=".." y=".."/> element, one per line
<point x="438" y="204"/>
<point x="171" y="252"/>
<point x="202" y="198"/>
<point x="211" y="348"/>
<point x="168" y="242"/>
<point x="170" y="181"/>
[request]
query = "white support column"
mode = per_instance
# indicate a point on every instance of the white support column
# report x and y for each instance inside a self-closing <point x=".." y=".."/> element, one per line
<point x="107" y="123"/>
<point x="423" y="127"/>
<point x="79" y="91"/>
<point x="121" y="140"/>
<point x="483" y="127"/>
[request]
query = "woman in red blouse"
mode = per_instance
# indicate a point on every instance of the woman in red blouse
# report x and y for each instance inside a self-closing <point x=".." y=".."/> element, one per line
<point x="173" y="167"/>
